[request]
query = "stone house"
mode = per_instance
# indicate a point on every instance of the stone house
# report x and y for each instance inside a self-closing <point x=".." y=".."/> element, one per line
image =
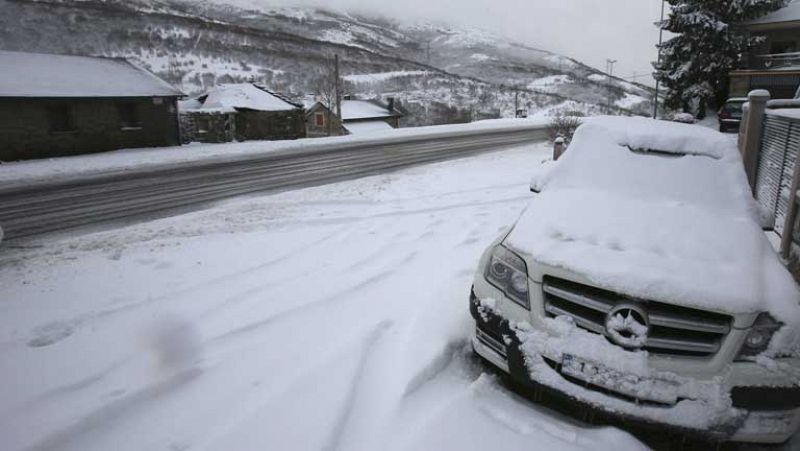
<point x="358" y="117"/>
<point x="56" y="105"/>
<point x="241" y="112"/>
<point x="370" y="116"/>
<point x="321" y="122"/>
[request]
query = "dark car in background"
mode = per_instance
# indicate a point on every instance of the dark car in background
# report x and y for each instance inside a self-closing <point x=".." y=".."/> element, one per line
<point x="730" y="115"/>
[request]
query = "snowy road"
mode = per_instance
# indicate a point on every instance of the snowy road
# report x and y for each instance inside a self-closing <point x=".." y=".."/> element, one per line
<point x="330" y="318"/>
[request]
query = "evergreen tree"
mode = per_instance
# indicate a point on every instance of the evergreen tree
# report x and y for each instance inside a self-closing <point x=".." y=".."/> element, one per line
<point x="695" y="64"/>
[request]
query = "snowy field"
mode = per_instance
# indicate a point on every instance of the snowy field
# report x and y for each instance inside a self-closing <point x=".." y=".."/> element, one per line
<point x="330" y="318"/>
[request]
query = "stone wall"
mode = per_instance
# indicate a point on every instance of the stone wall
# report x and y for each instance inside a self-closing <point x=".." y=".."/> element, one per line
<point x="27" y="132"/>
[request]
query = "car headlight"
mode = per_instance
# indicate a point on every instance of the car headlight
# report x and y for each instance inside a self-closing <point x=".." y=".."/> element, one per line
<point x="507" y="271"/>
<point x="759" y="336"/>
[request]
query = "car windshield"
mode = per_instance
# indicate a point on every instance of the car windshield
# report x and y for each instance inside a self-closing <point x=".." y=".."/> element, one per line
<point x="733" y="107"/>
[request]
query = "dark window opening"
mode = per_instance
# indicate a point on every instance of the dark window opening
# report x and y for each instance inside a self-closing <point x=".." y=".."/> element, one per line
<point x="60" y="118"/>
<point x="320" y="118"/>
<point x="779" y="47"/>
<point x="129" y="116"/>
<point x="203" y="124"/>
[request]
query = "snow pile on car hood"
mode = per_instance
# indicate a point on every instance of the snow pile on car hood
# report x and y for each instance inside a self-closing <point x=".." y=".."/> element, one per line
<point x="660" y="211"/>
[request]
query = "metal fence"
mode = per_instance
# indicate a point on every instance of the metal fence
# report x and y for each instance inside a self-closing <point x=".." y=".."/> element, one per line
<point x="780" y="144"/>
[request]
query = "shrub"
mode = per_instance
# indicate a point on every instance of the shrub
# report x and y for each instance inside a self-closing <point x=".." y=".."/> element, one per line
<point x="564" y="124"/>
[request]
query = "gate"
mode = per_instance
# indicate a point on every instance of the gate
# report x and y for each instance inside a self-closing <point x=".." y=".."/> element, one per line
<point x="780" y="144"/>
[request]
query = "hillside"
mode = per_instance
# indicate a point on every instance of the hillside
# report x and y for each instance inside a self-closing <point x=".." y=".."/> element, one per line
<point x="439" y="73"/>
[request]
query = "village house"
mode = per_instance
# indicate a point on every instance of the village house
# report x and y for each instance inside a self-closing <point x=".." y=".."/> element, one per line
<point x="369" y="116"/>
<point x="55" y="105"/>
<point x="358" y="117"/>
<point x="774" y="64"/>
<point x="321" y="121"/>
<point x="241" y="112"/>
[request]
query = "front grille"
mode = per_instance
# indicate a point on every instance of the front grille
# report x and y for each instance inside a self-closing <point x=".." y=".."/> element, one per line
<point x="674" y="330"/>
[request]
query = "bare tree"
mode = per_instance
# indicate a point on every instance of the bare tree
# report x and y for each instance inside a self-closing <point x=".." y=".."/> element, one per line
<point x="324" y="88"/>
<point x="563" y="124"/>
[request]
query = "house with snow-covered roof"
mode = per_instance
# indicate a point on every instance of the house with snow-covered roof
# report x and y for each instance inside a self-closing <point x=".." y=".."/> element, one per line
<point x="370" y="116"/>
<point x="774" y="64"/>
<point x="358" y="117"/>
<point x="241" y="112"/>
<point x="56" y="105"/>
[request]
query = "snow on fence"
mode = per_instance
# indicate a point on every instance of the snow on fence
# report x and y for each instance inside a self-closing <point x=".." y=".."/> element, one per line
<point x="770" y="143"/>
<point x="32" y="207"/>
<point x="780" y="142"/>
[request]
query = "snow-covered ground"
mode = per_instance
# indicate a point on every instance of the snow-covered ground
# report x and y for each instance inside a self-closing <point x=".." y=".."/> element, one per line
<point x="550" y="83"/>
<point x="321" y="319"/>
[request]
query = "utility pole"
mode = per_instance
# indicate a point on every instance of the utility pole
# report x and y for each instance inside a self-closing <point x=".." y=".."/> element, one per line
<point x="610" y="67"/>
<point x="516" y="102"/>
<point x="428" y="52"/>
<point x="338" y="86"/>
<point x="660" y="40"/>
<point x="428" y="63"/>
<point x="610" y="71"/>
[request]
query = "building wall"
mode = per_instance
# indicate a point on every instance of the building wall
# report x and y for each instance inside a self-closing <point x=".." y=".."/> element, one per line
<point x="270" y="125"/>
<point x="780" y="84"/>
<point x="208" y="127"/>
<point x="26" y="131"/>
<point x="775" y="41"/>
<point x="331" y="125"/>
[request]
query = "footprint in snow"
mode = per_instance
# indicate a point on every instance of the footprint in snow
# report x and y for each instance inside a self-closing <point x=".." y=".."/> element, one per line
<point x="50" y="333"/>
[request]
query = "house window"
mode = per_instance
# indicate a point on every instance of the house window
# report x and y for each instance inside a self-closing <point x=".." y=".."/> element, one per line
<point x="129" y="116"/>
<point x="60" y="118"/>
<point x="779" y="47"/>
<point x="203" y="124"/>
<point x="319" y="119"/>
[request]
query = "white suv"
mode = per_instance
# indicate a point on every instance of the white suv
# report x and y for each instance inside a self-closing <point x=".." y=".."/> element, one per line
<point x="639" y="282"/>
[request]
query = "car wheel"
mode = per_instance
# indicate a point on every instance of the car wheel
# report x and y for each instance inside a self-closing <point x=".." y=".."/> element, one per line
<point x="722" y="128"/>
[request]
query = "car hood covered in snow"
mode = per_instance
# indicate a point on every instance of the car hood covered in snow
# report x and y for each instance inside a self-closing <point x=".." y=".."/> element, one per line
<point x="659" y="211"/>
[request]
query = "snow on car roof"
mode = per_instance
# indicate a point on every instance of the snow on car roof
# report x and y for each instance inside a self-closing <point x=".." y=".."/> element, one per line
<point x="229" y="98"/>
<point x="45" y="75"/>
<point x="676" y="225"/>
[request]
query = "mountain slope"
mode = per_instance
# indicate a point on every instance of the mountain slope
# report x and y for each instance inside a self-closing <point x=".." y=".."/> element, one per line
<point x="440" y="74"/>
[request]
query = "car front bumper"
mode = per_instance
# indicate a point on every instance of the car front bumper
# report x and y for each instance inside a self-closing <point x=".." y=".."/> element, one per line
<point x="749" y="413"/>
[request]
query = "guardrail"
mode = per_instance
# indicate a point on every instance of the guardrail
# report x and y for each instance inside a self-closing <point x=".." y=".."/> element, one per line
<point x="31" y="208"/>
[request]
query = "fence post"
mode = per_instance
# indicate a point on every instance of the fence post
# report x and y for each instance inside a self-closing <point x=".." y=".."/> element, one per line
<point x="750" y="138"/>
<point x="558" y="148"/>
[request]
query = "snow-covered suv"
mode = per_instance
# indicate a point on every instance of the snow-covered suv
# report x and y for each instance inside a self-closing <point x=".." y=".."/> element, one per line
<point x="639" y="282"/>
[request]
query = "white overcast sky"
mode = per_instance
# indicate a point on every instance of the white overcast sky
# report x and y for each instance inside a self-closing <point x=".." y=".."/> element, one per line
<point x="588" y="30"/>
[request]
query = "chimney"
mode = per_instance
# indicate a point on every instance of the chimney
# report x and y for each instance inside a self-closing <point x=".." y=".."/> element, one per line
<point x="390" y="104"/>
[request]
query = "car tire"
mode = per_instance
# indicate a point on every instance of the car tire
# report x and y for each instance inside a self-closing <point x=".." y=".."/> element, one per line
<point x="722" y="128"/>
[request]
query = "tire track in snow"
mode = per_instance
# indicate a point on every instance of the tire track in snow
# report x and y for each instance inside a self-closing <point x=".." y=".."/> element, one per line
<point x="399" y="214"/>
<point x="344" y="417"/>
<point x="340" y="296"/>
<point x="61" y="391"/>
<point x="114" y="310"/>
<point x="107" y="415"/>
<point x="434" y="368"/>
